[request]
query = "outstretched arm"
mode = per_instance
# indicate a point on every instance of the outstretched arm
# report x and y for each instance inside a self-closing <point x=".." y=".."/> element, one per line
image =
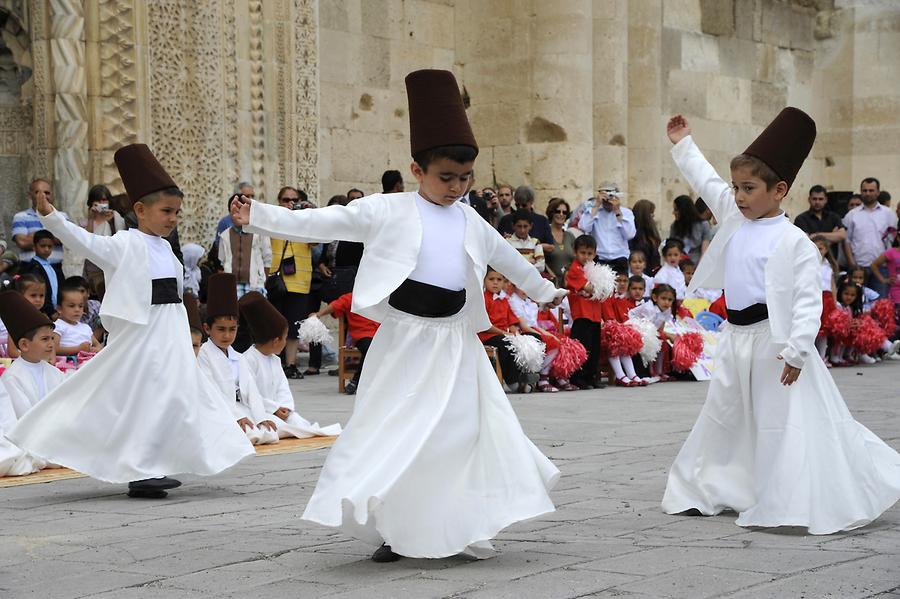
<point x="697" y="170"/>
<point x="102" y="251"/>
<point x="510" y="263"/>
<point x="321" y="225"/>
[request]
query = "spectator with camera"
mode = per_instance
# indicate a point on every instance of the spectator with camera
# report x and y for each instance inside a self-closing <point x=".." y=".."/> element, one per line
<point x="104" y="221"/>
<point x="611" y="225"/>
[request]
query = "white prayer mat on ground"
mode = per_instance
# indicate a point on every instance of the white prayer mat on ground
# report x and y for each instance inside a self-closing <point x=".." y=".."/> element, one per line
<point x="284" y="446"/>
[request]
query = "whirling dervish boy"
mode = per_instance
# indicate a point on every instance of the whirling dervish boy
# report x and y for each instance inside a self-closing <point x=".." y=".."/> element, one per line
<point x="433" y="461"/>
<point x="138" y="410"/>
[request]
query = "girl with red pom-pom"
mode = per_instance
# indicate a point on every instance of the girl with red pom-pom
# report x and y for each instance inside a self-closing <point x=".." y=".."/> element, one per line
<point x="829" y="268"/>
<point x="619" y="340"/>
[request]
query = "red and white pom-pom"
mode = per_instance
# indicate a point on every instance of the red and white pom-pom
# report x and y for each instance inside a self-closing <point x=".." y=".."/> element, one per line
<point x="570" y="358"/>
<point x="313" y="330"/>
<point x="837" y="326"/>
<point x="602" y="278"/>
<point x="883" y="313"/>
<point x="652" y="344"/>
<point x="84" y="356"/>
<point x="686" y="351"/>
<point x="527" y="351"/>
<point x="866" y="335"/>
<point x="619" y="339"/>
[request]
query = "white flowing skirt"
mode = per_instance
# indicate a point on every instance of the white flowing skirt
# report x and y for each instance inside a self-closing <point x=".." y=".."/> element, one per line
<point x="776" y="455"/>
<point x="433" y="461"/>
<point x="138" y="409"/>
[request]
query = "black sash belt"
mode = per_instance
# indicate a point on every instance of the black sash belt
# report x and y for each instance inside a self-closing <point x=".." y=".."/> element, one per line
<point x="165" y="291"/>
<point x="749" y="315"/>
<point x="429" y="301"/>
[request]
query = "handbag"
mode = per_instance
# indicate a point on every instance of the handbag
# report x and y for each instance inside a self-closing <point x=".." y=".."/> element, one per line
<point x="276" y="288"/>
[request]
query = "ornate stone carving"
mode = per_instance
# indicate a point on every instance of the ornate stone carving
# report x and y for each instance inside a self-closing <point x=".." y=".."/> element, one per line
<point x="67" y="57"/>
<point x="189" y="115"/>
<point x="306" y="94"/>
<point x="257" y="99"/>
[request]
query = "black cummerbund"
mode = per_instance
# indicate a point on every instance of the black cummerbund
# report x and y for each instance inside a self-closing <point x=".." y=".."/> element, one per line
<point x="749" y="315"/>
<point x="165" y="291"/>
<point x="429" y="301"/>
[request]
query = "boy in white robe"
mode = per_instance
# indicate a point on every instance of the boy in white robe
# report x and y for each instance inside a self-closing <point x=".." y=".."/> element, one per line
<point x="221" y="362"/>
<point x="433" y="461"/>
<point x="774" y="441"/>
<point x="138" y="410"/>
<point x="28" y="379"/>
<point x="261" y="362"/>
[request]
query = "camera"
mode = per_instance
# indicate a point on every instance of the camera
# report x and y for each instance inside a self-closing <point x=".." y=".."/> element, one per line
<point x="488" y="196"/>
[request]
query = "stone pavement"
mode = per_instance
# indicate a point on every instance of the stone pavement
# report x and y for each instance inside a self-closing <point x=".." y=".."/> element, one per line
<point x="239" y="534"/>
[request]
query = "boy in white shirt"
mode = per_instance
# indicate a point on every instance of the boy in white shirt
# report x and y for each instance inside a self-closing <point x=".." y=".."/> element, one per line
<point x="221" y="362"/>
<point x="28" y="380"/>
<point x="269" y="331"/>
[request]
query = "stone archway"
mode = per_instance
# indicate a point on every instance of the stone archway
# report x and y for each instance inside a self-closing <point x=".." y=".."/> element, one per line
<point x="16" y="112"/>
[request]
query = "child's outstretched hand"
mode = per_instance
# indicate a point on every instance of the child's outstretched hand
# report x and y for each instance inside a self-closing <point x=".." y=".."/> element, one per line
<point x="790" y="374"/>
<point x="240" y="211"/>
<point x="678" y="128"/>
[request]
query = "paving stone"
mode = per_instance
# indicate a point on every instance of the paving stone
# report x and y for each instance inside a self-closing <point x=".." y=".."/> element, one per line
<point x="239" y="534"/>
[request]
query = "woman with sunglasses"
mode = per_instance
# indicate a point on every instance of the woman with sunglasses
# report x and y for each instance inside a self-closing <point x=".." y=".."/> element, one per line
<point x="559" y="260"/>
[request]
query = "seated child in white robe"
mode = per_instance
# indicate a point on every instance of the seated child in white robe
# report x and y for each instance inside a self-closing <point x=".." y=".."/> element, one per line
<point x="221" y="362"/>
<point x="27" y="380"/>
<point x="269" y="331"/>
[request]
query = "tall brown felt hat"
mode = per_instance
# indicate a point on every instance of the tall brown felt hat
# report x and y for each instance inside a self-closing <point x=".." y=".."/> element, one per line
<point x="437" y="116"/>
<point x="785" y="143"/>
<point x="265" y="322"/>
<point x="141" y="172"/>
<point x="221" y="296"/>
<point x="192" y="306"/>
<point x="19" y="316"/>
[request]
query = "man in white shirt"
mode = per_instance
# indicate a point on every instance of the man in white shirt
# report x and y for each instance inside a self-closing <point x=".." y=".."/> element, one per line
<point x="866" y="228"/>
<point x="611" y="224"/>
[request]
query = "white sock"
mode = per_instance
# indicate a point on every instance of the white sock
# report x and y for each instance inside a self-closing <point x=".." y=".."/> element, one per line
<point x="616" y="364"/>
<point x="822" y="346"/>
<point x="628" y="365"/>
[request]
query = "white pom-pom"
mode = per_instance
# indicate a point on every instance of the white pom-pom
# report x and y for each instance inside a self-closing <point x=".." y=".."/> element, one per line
<point x="650" y="335"/>
<point x="313" y="330"/>
<point x="527" y="351"/>
<point x="602" y="278"/>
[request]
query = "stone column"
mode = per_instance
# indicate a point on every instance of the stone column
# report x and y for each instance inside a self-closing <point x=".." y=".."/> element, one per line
<point x="610" y="85"/>
<point x="67" y="60"/>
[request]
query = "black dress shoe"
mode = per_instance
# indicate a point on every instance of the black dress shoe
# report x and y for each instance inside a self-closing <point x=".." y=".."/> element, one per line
<point x="384" y="555"/>
<point x="350" y="388"/>
<point x="154" y="484"/>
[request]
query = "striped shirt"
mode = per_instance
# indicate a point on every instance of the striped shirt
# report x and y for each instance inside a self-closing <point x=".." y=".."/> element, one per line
<point x="27" y="222"/>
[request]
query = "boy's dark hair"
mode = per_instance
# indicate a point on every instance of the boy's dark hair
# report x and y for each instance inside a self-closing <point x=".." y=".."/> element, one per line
<point x="64" y="289"/>
<point x="636" y="279"/>
<point x="76" y="282"/>
<point x="339" y="200"/>
<point x="152" y="198"/>
<point x="884" y="198"/>
<point x="98" y="193"/>
<point x="871" y="180"/>
<point x="389" y="179"/>
<point x="41" y="235"/>
<point x="522" y="215"/>
<point x="585" y="241"/>
<point x="661" y="288"/>
<point x="210" y="321"/>
<point x="71" y="284"/>
<point x="489" y="270"/>
<point x="24" y="280"/>
<point x="817" y="189"/>
<point x="355" y="190"/>
<point x="757" y="168"/>
<point x="460" y="154"/>
<point x="29" y="334"/>
<point x="670" y="243"/>
<point x="700" y="205"/>
<point x="685" y="263"/>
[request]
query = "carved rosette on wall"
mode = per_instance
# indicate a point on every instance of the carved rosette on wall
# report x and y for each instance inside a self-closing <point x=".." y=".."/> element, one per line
<point x="188" y="112"/>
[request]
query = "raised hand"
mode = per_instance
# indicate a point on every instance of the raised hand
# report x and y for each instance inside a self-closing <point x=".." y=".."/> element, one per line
<point x="677" y="128"/>
<point x="42" y="204"/>
<point x="240" y="211"/>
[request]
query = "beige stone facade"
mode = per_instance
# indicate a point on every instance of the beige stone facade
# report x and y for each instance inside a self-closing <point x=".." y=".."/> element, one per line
<point x="563" y="94"/>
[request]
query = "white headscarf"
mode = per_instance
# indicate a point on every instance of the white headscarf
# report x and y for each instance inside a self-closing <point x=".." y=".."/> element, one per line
<point x="192" y="253"/>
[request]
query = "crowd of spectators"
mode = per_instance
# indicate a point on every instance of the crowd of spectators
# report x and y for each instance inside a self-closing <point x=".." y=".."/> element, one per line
<point x="627" y="239"/>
